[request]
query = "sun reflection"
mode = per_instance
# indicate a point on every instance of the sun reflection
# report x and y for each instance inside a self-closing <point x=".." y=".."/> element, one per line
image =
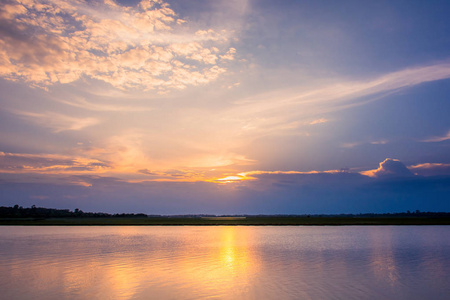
<point x="227" y="266"/>
<point x="232" y="254"/>
<point x="206" y="261"/>
<point x="124" y="279"/>
<point x="383" y="261"/>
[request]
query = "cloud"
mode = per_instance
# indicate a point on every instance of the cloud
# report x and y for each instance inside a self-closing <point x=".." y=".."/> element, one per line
<point x="144" y="47"/>
<point x="229" y="55"/>
<point x="278" y="107"/>
<point x="288" y="112"/>
<point x="430" y="169"/>
<point x="147" y="172"/>
<point x="343" y="91"/>
<point x="269" y="192"/>
<point x="59" y="122"/>
<point x="49" y="164"/>
<point x="100" y="107"/>
<point x="389" y="168"/>
<point x="169" y="175"/>
<point x="318" y="121"/>
<point x="435" y="139"/>
<point x="251" y="174"/>
<point x="350" y="145"/>
<point x="380" y="142"/>
<point x="355" y="144"/>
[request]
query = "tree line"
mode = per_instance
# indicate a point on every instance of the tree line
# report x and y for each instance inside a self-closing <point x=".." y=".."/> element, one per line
<point x="44" y="213"/>
<point x="34" y="212"/>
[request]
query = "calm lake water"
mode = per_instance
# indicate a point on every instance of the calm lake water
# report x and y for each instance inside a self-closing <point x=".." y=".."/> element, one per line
<point x="348" y="262"/>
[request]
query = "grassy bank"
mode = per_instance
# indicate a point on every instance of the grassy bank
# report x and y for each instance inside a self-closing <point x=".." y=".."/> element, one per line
<point x="248" y="220"/>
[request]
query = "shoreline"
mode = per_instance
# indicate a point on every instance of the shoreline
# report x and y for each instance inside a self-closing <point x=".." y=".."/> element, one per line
<point x="228" y="221"/>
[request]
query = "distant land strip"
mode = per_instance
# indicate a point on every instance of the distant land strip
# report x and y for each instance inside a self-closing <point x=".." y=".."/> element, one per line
<point x="39" y="216"/>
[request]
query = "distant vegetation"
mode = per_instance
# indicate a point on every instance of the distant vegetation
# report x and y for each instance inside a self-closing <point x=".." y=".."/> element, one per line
<point x="45" y="213"/>
<point x="18" y="215"/>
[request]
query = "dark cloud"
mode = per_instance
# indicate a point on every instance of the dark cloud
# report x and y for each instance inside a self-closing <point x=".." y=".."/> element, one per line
<point x="269" y="193"/>
<point x="391" y="168"/>
<point x="431" y="169"/>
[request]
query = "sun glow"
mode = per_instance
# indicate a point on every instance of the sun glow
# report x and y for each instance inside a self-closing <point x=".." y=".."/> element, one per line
<point x="229" y="179"/>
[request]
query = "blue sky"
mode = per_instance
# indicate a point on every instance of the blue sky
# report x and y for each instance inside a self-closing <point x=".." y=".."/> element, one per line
<point x="211" y="106"/>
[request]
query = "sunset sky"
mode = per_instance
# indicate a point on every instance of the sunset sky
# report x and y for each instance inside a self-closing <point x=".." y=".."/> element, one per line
<point x="225" y="106"/>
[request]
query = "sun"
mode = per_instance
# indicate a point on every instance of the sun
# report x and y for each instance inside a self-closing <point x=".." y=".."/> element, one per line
<point x="230" y="179"/>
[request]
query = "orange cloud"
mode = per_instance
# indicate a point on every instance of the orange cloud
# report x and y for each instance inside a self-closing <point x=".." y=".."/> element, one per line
<point x="318" y="121"/>
<point x="61" y="41"/>
<point x="430" y="169"/>
<point x="49" y="164"/>
<point x="389" y="167"/>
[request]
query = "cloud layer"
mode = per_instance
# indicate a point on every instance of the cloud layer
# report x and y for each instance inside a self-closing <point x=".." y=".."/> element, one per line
<point x="217" y="101"/>
<point x="275" y="192"/>
<point x="48" y="164"/>
<point x="145" y="47"/>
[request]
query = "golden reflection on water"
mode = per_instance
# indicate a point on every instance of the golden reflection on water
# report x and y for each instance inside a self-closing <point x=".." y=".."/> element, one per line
<point x="233" y="255"/>
<point x="222" y="262"/>
<point x="223" y="268"/>
<point x="383" y="261"/>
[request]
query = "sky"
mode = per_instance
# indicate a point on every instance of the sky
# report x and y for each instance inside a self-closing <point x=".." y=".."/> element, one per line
<point x="225" y="106"/>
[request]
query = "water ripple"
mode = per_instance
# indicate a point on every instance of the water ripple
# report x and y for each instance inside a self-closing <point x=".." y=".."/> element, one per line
<point x="225" y="262"/>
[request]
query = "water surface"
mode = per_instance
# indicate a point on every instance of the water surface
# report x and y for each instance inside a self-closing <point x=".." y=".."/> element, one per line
<point x="221" y="262"/>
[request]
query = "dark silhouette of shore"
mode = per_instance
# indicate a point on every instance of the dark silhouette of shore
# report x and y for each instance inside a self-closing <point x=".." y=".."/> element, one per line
<point x="33" y="215"/>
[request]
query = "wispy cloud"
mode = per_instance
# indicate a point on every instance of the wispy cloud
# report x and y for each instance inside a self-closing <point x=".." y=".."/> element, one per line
<point x="435" y="139"/>
<point x="102" y="107"/>
<point x="58" y="122"/>
<point x="49" y="164"/>
<point x="343" y="91"/>
<point x="318" y="121"/>
<point x="355" y="144"/>
<point x="430" y="169"/>
<point x="250" y="173"/>
<point x="350" y="145"/>
<point x="285" y="106"/>
<point x="144" y="47"/>
<point x="278" y="175"/>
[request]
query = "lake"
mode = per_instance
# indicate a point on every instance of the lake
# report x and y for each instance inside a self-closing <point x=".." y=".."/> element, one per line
<point x="225" y="262"/>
